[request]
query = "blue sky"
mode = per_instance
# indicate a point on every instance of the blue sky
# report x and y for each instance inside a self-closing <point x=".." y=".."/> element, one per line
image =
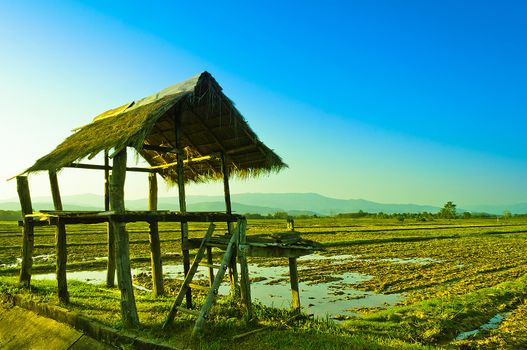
<point x="392" y="101"/>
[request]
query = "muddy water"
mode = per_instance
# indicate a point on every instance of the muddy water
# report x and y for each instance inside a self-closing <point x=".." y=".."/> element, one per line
<point x="270" y="286"/>
<point x="493" y="323"/>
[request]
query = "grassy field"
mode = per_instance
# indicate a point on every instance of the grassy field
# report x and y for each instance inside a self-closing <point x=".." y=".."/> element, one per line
<point x="453" y="277"/>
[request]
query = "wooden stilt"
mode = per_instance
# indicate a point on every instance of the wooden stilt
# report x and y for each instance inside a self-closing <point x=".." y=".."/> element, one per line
<point x="245" y="284"/>
<point x="110" y="267"/>
<point x="182" y="203"/>
<point x="155" y="245"/>
<point x="60" y="240"/>
<point x="122" y="256"/>
<point x="28" y="235"/>
<point x="293" y="275"/>
<point x="233" y="270"/>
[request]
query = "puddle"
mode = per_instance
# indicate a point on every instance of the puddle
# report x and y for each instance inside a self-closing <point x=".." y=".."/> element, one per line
<point x="37" y="259"/>
<point x="271" y="287"/>
<point x="492" y="324"/>
<point x="346" y="258"/>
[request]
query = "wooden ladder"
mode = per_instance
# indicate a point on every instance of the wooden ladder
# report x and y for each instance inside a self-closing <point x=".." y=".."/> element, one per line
<point x="212" y="290"/>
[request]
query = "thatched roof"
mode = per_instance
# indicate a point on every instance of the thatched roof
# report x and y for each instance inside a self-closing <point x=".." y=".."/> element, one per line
<point x="210" y="124"/>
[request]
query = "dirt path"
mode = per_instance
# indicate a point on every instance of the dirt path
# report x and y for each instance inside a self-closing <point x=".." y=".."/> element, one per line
<point x="23" y="329"/>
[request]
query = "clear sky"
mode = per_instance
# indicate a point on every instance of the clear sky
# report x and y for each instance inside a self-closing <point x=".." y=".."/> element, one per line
<point x="392" y="101"/>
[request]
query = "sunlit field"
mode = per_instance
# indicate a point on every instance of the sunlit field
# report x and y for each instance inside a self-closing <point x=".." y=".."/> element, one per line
<point x="458" y="283"/>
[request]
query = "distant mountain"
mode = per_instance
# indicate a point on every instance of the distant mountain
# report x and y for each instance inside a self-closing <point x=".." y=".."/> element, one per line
<point x="264" y="203"/>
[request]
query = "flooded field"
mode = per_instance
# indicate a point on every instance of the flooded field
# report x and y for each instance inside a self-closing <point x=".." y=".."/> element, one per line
<point x="370" y="272"/>
<point x="270" y="285"/>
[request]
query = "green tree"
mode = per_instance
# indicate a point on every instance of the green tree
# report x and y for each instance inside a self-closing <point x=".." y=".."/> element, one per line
<point x="507" y="214"/>
<point x="448" y="211"/>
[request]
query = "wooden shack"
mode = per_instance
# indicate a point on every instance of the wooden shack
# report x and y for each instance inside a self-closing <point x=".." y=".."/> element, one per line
<point x="189" y="132"/>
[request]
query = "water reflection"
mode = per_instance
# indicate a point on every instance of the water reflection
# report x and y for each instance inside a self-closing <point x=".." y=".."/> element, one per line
<point x="270" y="286"/>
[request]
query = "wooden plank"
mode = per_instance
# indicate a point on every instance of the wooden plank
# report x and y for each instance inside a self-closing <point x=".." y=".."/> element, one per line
<point x="155" y="244"/>
<point x="110" y="265"/>
<point x="182" y="200"/>
<point x="28" y="239"/>
<point x="60" y="241"/>
<point x="122" y="257"/>
<point x="130" y="216"/>
<point x="295" y="292"/>
<point x="245" y="283"/>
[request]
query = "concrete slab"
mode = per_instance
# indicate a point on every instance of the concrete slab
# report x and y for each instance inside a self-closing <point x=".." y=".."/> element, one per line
<point x="23" y="329"/>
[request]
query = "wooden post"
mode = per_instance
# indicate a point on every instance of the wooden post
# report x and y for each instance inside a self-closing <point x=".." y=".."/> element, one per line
<point x="244" y="269"/>
<point x="182" y="203"/>
<point x="28" y="236"/>
<point x="293" y="275"/>
<point x="211" y="269"/>
<point x="60" y="241"/>
<point x="155" y="245"/>
<point x="122" y="252"/>
<point x="233" y="270"/>
<point x="110" y="266"/>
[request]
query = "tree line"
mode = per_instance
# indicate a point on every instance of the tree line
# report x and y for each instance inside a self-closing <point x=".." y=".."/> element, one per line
<point x="447" y="212"/>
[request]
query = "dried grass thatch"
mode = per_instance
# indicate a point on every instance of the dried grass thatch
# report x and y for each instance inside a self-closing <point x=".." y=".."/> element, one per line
<point x="210" y="125"/>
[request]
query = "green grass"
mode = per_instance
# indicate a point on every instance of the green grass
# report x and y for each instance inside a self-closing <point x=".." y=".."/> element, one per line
<point x="479" y="269"/>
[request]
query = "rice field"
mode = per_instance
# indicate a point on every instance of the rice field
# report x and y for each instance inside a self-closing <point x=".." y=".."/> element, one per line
<point x="444" y="280"/>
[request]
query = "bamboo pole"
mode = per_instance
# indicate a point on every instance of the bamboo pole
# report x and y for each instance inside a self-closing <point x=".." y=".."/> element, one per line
<point x="293" y="275"/>
<point x="60" y="240"/>
<point x="155" y="245"/>
<point x="122" y="252"/>
<point x="233" y="270"/>
<point x="28" y="235"/>
<point x="182" y="202"/>
<point x="110" y="266"/>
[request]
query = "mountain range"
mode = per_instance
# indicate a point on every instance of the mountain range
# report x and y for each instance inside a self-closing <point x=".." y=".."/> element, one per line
<point x="262" y="203"/>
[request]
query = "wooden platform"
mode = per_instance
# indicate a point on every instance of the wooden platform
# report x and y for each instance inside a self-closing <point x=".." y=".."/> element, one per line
<point x="53" y="217"/>
<point x="282" y="244"/>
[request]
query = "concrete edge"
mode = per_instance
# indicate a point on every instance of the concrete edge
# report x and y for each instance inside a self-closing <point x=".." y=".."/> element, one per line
<point x="90" y="327"/>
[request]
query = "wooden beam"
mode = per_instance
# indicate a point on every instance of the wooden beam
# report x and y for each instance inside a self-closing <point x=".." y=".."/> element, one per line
<point x="159" y="148"/>
<point x="182" y="202"/>
<point x="155" y="245"/>
<point x="60" y="241"/>
<point x="110" y="266"/>
<point x="103" y="167"/>
<point x="186" y="161"/>
<point x="124" y="276"/>
<point x="28" y="239"/>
